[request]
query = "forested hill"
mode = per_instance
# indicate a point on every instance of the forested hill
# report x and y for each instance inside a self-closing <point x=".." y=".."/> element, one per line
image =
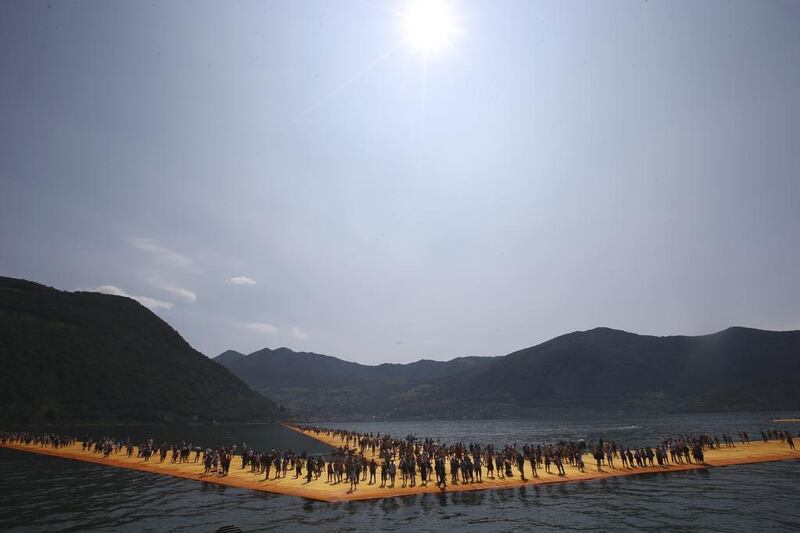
<point x="89" y="357"/>
<point x="735" y="369"/>
<point x="321" y="387"/>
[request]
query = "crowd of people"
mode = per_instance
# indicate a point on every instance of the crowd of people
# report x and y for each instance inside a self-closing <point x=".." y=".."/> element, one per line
<point x="465" y="463"/>
<point x="51" y="440"/>
<point x="374" y="458"/>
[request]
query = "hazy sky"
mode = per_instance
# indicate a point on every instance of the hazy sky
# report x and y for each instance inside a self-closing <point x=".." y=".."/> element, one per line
<point x="291" y="174"/>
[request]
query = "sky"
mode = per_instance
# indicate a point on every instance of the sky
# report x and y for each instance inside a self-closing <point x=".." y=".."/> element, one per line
<point x="299" y="173"/>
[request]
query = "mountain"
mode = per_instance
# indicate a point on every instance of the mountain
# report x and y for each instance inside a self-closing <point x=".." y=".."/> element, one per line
<point x="324" y="387"/>
<point x="89" y="357"/>
<point x="228" y="357"/>
<point x="735" y="369"/>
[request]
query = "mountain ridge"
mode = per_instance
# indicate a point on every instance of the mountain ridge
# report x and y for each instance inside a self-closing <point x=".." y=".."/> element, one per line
<point x="738" y="367"/>
<point x="222" y="356"/>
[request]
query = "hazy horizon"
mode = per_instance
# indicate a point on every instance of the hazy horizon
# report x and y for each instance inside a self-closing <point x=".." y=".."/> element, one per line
<point x="293" y="173"/>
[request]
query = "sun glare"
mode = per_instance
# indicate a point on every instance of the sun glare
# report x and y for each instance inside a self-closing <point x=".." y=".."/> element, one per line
<point x="429" y="25"/>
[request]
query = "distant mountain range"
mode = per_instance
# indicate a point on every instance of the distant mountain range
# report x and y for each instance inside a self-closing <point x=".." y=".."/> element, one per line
<point x="735" y="369"/>
<point x="89" y="357"/>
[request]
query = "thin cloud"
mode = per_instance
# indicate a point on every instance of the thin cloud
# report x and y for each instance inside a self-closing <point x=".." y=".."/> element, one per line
<point x="241" y="280"/>
<point x="161" y="254"/>
<point x="298" y="333"/>
<point x="261" y="327"/>
<point x="182" y="294"/>
<point x="151" y="303"/>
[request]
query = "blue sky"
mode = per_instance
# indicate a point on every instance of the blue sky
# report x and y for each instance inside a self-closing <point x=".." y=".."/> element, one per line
<point x="293" y="174"/>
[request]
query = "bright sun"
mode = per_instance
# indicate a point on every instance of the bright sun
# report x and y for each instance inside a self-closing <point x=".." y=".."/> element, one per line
<point x="429" y="25"/>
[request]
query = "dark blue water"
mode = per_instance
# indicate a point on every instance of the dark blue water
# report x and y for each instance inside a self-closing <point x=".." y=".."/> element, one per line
<point x="49" y="494"/>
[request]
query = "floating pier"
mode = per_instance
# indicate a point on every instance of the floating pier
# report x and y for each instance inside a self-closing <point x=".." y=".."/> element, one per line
<point x="319" y="489"/>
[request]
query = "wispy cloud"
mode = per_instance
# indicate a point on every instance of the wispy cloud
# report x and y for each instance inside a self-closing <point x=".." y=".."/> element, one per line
<point x="241" y="280"/>
<point x="182" y="294"/>
<point x="261" y="327"/>
<point x="298" y="333"/>
<point x="151" y="303"/>
<point x="161" y="254"/>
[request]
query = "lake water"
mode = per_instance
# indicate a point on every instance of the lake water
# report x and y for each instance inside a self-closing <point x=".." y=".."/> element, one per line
<point x="49" y="494"/>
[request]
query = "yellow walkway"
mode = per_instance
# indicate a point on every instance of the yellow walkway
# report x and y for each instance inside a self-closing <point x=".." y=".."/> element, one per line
<point x="756" y="452"/>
